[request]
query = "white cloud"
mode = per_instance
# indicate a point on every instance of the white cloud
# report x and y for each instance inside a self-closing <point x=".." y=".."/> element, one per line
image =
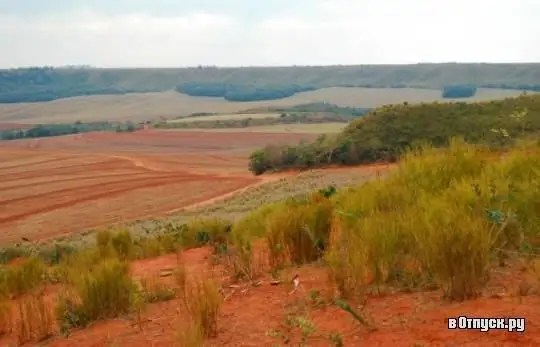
<point x="330" y="32"/>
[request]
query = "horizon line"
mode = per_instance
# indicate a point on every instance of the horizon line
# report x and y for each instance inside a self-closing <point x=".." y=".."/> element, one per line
<point x="204" y="66"/>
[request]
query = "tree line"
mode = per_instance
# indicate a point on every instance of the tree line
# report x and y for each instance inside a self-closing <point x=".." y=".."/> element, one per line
<point x="60" y="129"/>
<point x="251" y="83"/>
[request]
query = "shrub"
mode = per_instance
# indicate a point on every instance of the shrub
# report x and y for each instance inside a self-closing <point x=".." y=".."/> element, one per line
<point x="105" y="291"/>
<point x="298" y="231"/>
<point x="17" y="280"/>
<point x="212" y="231"/>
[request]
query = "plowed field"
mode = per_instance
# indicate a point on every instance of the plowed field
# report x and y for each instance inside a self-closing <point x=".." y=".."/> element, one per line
<point x="55" y="186"/>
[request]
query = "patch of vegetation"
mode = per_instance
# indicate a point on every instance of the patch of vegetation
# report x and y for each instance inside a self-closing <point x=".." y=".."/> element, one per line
<point x="254" y="83"/>
<point x="323" y="107"/>
<point x="47" y="130"/>
<point x="101" y="290"/>
<point x="459" y="91"/>
<point x="232" y="92"/>
<point x="18" y="280"/>
<point x="293" y="118"/>
<point x="431" y="221"/>
<point x="386" y="132"/>
<point x="312" y="113"/>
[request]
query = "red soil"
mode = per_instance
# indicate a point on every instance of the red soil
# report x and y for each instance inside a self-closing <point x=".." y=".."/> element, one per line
<point x="402" y="319"/>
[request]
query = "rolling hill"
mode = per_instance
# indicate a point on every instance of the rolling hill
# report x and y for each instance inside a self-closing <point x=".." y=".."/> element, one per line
<point x="151" y="106"/>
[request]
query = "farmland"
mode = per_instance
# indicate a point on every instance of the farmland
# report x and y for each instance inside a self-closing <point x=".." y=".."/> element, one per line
<point x="56" y="186"/>
<point x="164" y="238"/>
<point x="265" y="308"/>
<point x="319" y="128"/>
<point x="169" y="104"/>
<point x="218" y="117"/>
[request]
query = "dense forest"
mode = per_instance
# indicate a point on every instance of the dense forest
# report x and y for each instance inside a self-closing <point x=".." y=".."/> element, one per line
<point x="255" y="83"/>
<point x="46" y="130"/>
<point x="384" y="133"/>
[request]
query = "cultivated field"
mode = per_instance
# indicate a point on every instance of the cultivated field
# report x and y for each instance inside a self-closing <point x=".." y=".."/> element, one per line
<point x="232" y="116"/>
<point x="152" y="106"/>
<point x="315" y="128"/>
<point x="55" y="186"/>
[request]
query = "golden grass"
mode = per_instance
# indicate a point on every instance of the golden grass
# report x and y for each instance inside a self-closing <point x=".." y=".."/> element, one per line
<point x="152" y="106"/>
<point x="17" y="280"/>
<point x="33" y="318"/>
<point x="99" y="291"/>
<point x="429" y="220"/>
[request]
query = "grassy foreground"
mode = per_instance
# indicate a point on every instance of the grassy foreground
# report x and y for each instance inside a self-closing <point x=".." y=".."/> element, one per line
<point x="444" y="219"/>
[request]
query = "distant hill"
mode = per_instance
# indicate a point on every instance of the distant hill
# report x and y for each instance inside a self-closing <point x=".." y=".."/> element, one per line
<point x="153" y="106"/>
<point x="256" y="83"/>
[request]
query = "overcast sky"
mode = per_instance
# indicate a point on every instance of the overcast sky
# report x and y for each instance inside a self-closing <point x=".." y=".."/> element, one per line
<point x="174" y="33"/>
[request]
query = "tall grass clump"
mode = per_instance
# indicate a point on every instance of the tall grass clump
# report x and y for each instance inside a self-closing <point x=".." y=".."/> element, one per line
<point x="253" y="225"/>
<point x="19" y="279"/>
<point x="297" y="231"/>
<point x="202" y="302"/>
<point x="118" y="244"/>
<point x="123" y="245"/>
<point x="211" y="231"/>
<point x="33" y="319"/>
<point x="105" y="290"/>
<point x="426" y="223"/>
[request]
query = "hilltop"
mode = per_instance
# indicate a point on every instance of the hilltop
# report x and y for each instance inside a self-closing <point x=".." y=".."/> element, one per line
<point x="386" y="132"/>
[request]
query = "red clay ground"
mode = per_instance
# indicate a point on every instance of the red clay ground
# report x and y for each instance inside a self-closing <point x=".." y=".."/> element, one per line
<point x="53" y="186"/>
<point x="413" y="319"/>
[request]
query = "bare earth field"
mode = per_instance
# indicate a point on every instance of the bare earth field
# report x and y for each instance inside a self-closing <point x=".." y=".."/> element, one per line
<point x="150" y="106"/>
<point x="55" y="186"/>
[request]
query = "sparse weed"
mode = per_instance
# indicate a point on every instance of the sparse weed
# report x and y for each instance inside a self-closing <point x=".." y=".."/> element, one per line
<point x="191" y="335"/>
<point x="33" y="318"/>
<point x="202" y="302"/>
<point x="155" y="291"/>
